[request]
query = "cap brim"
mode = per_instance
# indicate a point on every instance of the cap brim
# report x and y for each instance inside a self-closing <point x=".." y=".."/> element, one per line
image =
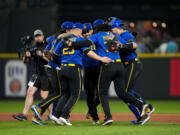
<point x="116" y="27"/>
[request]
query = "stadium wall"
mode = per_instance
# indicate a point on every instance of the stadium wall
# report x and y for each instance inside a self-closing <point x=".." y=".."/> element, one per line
<point x="159" y="79"/>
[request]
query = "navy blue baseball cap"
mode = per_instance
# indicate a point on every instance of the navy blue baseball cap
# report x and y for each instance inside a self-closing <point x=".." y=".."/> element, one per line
<point x="87" y="26"/>
<point x="78" y="25"/>
<point x="117" y="23"/>
<point x="98" y="22"/>
<point x="67" y="25"/>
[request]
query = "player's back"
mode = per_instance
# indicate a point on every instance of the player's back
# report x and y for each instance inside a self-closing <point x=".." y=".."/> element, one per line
<point x="70" y="55"/>
<point x="100" y="40"/>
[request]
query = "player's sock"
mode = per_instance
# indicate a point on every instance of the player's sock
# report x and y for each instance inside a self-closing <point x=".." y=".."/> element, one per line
<point x="135" y="111"/>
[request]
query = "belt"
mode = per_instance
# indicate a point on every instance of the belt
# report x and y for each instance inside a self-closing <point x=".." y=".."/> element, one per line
<point x="69" y="65"/>
<point x="127" y="62"/>
<point x="114" y="61"/>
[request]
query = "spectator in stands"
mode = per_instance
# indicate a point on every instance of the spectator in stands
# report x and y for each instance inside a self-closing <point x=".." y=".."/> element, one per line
<point x="172" y="47"/>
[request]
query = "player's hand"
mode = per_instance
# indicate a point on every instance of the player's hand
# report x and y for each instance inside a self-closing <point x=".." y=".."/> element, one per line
<point x="48" y="55"/>
<point x="69" y="44"/>
<point x="106" y="60"/>
<point x="80" y="35"/>
<point x="28" y="54"/>
<point x="85" y="36"/>
<point x="134" y="45"/>
<point x="39" y="53"/>
<point x="51" y="51"/>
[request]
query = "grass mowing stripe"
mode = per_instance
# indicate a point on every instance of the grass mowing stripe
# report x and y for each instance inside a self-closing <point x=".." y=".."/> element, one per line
<point x="28" y="128"/>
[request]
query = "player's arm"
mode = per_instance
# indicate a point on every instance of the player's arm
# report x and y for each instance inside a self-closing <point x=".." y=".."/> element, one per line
<point x="49" y="50"/>
<point x="123" y="45"/>
<point x="130" y="46"/>
<point x="64" y="35"/>
<point x="52" y="49"/>
<point x="127" y="45"/>
<point x="84" y="43"/>
<point x="77" y="45"/>
<point x="93" y="55"/>
<point x="131" y="41"/>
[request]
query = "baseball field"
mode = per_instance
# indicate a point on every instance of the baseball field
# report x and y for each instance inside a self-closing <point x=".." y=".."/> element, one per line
<point x="164" y="121"/>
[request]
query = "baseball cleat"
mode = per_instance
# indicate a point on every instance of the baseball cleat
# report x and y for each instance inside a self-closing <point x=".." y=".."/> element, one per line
<point x="36" y="121"/>
<point x="143" y="119"/>
<point x="134" y="122"/>
<point x="56" y="120"/>
<point x="65" y="121"/>
<point x="20" y="117"/>
<point x="96" y="122"/>
<point x="150" y="110"/>
<point x="37" y="112"/>
<point x="107" y="122"/>
<point x="50" y="115"/>
<point x="144" y="110"/>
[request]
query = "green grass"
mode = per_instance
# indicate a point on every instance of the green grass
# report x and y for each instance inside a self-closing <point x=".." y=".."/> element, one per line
<point x="162" y="106"/>
<point x="86" y="128"/>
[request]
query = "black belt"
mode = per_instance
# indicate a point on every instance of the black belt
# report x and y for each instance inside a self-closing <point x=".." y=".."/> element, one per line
<point x="114" y="61"/>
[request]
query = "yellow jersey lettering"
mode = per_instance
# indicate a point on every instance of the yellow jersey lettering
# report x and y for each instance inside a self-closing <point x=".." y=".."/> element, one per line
<point x="67" y="51"/>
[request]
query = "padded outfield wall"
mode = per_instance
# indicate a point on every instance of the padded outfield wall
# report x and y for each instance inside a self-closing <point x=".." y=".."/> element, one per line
<point x="160" y="78"/>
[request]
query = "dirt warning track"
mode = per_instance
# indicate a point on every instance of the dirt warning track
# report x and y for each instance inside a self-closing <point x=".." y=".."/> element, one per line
<point x="168" y="118"/>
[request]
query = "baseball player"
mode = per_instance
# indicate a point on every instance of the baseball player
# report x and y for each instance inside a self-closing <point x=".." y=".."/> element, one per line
<point x="133" y="67"/>
<point x="70" y="76"/>
<point x="91" y="72"/>
<point x="113" y="71"/>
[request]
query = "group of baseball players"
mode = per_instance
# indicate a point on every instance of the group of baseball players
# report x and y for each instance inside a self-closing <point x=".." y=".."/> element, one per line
<point x="107" y="53"/>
